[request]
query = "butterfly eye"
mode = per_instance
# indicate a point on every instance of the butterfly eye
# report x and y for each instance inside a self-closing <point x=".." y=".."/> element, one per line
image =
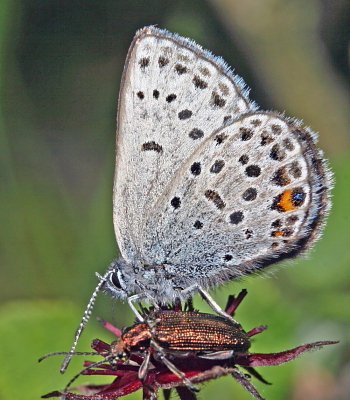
<point x="116" y="280"/>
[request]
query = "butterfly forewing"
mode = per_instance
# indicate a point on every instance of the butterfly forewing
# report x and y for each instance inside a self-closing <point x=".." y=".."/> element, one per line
<point x="174" y="95"/>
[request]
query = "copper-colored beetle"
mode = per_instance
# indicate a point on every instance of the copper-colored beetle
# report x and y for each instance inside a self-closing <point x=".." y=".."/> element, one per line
<point x="181" y="334"/>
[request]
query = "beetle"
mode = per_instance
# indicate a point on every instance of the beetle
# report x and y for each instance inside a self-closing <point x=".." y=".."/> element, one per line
<point x="166" y="334"/>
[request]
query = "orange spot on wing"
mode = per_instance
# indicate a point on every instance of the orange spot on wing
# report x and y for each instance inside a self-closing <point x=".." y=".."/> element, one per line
<point x="285" y="202"/>
<point x="277" y="233"/>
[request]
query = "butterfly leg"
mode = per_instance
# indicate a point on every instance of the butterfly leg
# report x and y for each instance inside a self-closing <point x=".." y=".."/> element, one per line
<point x="206" y="296"/>
<point x="137" y="298"/>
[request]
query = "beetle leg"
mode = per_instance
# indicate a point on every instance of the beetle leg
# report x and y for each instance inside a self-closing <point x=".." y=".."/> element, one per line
<point x="217" y="355"/>
<point x="144" y="366"/>
<point x="142" y="374"/>
<point x="179" y="374"/>
<point x="149" y="393"/>
<point x="162" y="357"/>
<point x="93" y="365"/>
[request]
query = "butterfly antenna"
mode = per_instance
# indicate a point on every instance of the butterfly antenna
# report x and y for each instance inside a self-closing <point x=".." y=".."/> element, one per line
<point x="84" y="321"/>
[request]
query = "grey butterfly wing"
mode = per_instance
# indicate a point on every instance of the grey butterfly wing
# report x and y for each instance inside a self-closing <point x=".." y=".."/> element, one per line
<point x="173" y="95"/>
<point x="253" y="193"/>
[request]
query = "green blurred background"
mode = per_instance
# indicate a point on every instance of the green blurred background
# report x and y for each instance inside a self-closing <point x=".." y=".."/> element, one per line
<point x="60" y="67"/>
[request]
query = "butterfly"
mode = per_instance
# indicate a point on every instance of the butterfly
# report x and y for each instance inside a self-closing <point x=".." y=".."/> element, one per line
<point x="208" y="187"/>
